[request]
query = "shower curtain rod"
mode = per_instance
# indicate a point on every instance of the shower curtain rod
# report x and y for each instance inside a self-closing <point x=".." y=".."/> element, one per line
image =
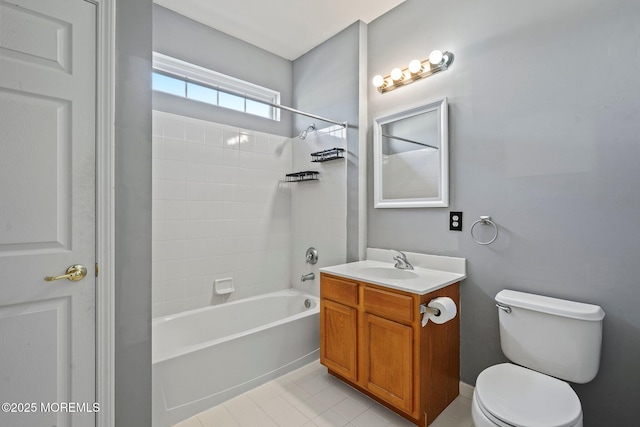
<point x="251" y="98"/>
<point x="409" y="140"/>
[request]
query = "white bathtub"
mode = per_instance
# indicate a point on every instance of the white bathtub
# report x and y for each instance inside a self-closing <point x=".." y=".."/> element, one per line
<point x="206" y="356"/>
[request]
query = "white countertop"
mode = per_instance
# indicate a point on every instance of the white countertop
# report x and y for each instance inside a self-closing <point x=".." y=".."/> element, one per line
<point x="422" y="281"/>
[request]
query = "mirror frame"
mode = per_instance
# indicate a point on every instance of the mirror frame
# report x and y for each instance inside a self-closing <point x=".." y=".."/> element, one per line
<point x="439" y="105"/>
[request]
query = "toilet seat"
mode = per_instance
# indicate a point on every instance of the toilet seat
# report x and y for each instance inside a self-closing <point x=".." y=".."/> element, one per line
<point x="511" y="395"/>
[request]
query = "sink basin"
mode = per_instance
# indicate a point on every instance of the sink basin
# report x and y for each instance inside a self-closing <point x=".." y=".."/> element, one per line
<point x="432" y="272"/>
<point x="388" y="273"/>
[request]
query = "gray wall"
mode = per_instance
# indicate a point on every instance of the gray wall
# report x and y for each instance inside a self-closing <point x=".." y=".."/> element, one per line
<point x="190" y="41"/>
<point x="133" y="214"/>
<point x="326" y="83"/>
<point x="544" y="123"/>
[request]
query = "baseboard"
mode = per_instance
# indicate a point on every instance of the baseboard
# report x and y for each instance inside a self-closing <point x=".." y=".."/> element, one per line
<point x="466" y="390"/>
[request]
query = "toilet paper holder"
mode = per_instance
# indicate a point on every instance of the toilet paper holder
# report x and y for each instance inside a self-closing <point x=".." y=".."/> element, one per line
<point x="439" y="310"/>
<point x="424" y="308"/>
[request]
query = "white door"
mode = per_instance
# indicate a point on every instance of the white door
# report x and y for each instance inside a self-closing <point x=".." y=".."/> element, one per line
<point x="47" y="212"/>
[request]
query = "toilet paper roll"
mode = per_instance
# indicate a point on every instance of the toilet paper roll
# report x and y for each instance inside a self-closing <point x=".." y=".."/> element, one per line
<point x="447" y="309"/>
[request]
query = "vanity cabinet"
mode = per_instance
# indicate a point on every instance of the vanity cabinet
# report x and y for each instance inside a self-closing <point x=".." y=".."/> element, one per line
<point x="372" y="338"/>
<point x="387" y="356"/>
<point x="387" y="337"/>
<point x="338" y="327"/>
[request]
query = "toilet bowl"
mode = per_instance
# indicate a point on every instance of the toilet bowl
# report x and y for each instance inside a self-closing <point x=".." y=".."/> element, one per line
<point x="508" y="395"/>
<point x="549" y="340"/>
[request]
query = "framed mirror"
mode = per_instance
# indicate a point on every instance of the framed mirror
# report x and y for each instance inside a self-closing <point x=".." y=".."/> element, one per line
<point x="411" y="158"/>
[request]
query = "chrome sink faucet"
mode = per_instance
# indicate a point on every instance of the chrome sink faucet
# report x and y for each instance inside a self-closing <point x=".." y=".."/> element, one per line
<point x="401" y="261"/>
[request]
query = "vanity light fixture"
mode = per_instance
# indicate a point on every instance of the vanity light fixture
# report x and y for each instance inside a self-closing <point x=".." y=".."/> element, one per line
<point x="437" y="61"/>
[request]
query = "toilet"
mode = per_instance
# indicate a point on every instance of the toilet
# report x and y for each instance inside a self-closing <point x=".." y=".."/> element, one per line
<point x="549" y="341"/>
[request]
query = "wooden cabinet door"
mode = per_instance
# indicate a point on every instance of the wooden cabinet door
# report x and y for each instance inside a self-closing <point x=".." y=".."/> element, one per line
<point x="388" y="361"/>
<point x="338" y="338"/>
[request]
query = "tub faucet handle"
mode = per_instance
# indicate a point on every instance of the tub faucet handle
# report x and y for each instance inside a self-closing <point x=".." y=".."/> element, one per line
<point x="311" y="256"/>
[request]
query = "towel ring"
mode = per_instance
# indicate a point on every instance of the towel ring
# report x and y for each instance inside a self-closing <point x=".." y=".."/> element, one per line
<point x="484" y="220"/>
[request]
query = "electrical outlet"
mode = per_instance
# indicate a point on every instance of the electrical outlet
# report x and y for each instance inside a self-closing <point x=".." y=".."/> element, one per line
<point x="455" y="221"/>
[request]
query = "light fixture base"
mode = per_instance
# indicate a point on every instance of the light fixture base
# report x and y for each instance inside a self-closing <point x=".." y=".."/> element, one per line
<point x="428" y="70"/>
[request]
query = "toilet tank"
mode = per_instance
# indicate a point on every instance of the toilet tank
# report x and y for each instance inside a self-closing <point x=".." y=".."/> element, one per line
<point x="557" y="337"/>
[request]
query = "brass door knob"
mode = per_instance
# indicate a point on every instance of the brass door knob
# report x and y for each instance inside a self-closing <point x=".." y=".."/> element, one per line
<point x="74" y="273"/>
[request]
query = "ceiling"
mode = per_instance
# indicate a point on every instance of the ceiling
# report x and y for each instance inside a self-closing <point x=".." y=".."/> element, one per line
<point x="287" y="28"/>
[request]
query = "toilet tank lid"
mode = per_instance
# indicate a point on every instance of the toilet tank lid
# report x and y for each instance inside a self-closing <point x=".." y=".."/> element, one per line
<point x="555" y="306"/>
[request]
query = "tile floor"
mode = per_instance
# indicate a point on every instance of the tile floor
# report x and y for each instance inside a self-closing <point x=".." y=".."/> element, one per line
<point x="310" y="397"/>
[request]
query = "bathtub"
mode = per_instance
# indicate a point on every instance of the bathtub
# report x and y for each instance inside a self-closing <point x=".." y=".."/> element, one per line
<point x="206" y="356"/>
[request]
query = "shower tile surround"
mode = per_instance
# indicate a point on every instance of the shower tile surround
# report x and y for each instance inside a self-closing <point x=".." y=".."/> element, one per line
<point x="221" y="209"/>
<point x="318" y="208"/>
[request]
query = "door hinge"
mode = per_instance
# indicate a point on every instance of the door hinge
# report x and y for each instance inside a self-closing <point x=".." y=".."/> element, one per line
<point x="96" y="269"/>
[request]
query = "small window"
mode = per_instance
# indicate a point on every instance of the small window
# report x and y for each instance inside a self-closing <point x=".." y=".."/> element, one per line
<point x="231" y="101"/>
<point x="196" y="83"/>
<point x="168" y="84"/>
<point x="202" y="94"/>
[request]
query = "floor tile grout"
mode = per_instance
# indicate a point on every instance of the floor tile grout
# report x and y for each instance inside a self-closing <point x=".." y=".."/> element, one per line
<point x="309" y="397"/>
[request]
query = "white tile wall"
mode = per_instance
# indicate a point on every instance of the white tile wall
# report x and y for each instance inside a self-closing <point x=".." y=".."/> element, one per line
<point x="318" y="208"/>
<point x="220" y="209"/>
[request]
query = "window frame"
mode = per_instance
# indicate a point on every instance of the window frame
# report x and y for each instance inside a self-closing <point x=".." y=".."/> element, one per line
<point x="193" y="74"/>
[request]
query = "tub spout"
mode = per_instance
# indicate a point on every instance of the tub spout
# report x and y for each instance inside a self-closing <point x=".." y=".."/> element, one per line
<point x="306" y="277"/>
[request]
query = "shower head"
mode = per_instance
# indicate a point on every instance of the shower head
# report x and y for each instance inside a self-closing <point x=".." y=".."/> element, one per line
<point x="303" y="134"/>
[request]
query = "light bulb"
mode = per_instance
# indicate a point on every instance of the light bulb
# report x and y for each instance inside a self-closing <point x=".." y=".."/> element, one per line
<point x="415" y="66"/>
<point x="396" y="74"/>
<point x="435" y="57"/>
<point x="378" y="81"/>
